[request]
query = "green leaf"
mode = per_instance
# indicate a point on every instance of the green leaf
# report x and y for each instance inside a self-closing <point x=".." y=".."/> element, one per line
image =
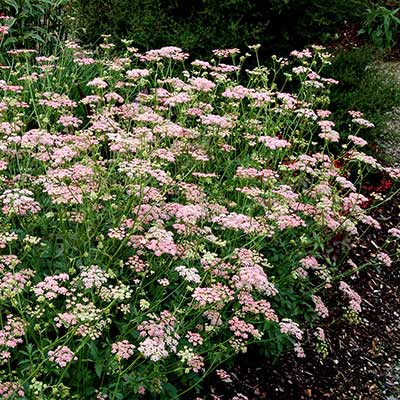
<point x="33" y="35"/>
<point x="12" y="3"/>
<point x="10" y="40"/>
<point x="99" y="367"/>
<point x="170" y="391"/>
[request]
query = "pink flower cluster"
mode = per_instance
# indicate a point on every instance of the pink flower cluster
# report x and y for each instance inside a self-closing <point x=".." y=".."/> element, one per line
<point x="160" y="335"/>
<point x="225" y="52"/>
<point x="289" y="327"/>
<point x="354" y="297"/>
<point x="320" y="307"/>
<point x="327" y="131"/>
<point x="242" y="329"/>
<point x="62" y="356"/>
<point x="357" y="140"/>
<point x="51" y="287"/>
<point x="264" y="175"/>
<point x="19" y="202"/>
<point x="8" y="390"/>
<point x="242" y="222"/>
<point x="55" y="100"/>
<point x="254" y="278"/>
<point x="160" y="241"/>
<point x="217" y="293"/>
<point x="98" y="83"/>
<point x="224" y="376"/>
<point x="216" y="120"/>
<point x="14" y="282"/>
<point x="123" y="350"/>
<point x="273" y="143"/>
<point x="189" y="274"/>
<point x="69" y="121"/>
<point x="384" y="258"/>
<point x="10" y="336"/>
<point x="395" y="232"/>
<point x="168" y="52"/>
<point x="194" y="338"/>
<point x="137" y="73"/>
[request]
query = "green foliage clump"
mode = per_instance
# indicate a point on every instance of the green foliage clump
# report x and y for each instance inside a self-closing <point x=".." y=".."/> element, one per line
<point x="36" y="23"/>
<point x="366" y="85"/>
<point x="382" y="26"/>
<point x="147" y="21"/>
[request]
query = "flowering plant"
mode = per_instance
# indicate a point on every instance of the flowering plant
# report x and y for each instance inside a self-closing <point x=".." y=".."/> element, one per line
<point x="159" y="217"/>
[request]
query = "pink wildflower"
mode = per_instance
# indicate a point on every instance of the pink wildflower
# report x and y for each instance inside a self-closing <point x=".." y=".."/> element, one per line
<point x="354" y="297"/>
<point x="320" y="307"/>
<point x="298" y="349"/>
<point x="384" y="258"/>
<point x="8" y="390"/>
<point x="194" y="338"/>
<point x="19" y="202"/>
<point x="306" y="53"/>
<point x="363" y="123"/>
<point x="169" y="52"/>
<point x="216" y="120"/>
<point x="69" y="121"/>
<point x="309" y="262"/>
<point x="242" y="329"/>
<point x="273" y="143"/>
<point x="223" y="375"/>
<point x="123" y="350"/>
<point x="357" y="140"/>
<point x="62" y="356"/>
<point x="225" y="52"/>
<point x="236" y="92"/>
<point x="137" y="73"/>
<point x="394" y="232"/>
<point x="240" y="396"/>
<point x="291" y="328"/>
<point x="202" y="84"/>
<point x="98" y="83"/>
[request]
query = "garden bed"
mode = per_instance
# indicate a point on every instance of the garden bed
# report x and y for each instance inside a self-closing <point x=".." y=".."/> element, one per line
<point x="159" y="218"/>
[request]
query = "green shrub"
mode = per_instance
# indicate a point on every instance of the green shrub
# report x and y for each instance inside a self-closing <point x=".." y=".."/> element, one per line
<point x="147" y="20"/>
<point x="382" y="26"/>
<point x="36" y="23"/>
<point x="202" y="25"/>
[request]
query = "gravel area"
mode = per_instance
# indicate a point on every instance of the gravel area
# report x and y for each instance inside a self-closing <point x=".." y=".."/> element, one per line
<point x="389" y="141"/>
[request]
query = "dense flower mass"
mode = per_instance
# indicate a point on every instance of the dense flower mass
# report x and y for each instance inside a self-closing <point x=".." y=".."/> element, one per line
<point x="159" y="217"/>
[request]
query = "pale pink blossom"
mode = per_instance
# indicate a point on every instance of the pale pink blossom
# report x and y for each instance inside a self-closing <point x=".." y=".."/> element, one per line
<point x="357" y="140"/>
<point x="320" y="307"/>
<point x="384" y="258"/>
<point x="394" y="232"/>
<point x="123" y="350"/>
<point x="98" y="83"/>
<point x="353" y="297"/>
<point x="62" y="356"/>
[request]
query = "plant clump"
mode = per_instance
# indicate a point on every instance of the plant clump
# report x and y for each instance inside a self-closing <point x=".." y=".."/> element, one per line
<point x="158" y="217"/>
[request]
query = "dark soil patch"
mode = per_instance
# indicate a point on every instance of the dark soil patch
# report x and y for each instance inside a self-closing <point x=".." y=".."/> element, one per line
<point x="350" y="39"/>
